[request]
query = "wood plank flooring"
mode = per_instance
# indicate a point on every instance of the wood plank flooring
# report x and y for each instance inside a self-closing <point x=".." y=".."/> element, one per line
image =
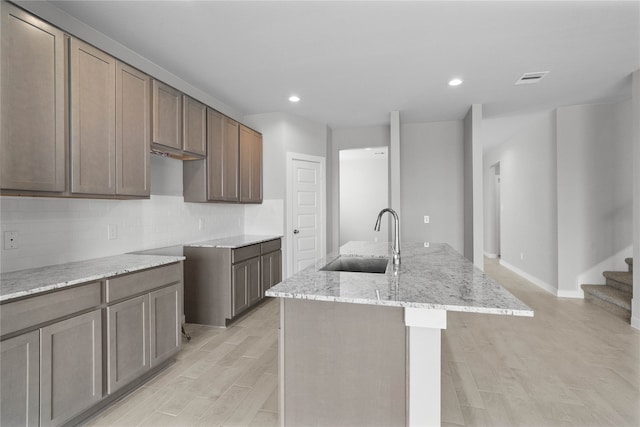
<point x="573" y="364"/>
<point x="223" y="377"/>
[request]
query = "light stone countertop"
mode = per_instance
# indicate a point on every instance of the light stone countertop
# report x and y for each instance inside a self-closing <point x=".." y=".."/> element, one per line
<point x="437" y="278"/>
<point x="232" y="242"/>
<point x="32" y="281"/>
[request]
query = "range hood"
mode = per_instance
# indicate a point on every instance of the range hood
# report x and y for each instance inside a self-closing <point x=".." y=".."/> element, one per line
<point x="164" y="151"/>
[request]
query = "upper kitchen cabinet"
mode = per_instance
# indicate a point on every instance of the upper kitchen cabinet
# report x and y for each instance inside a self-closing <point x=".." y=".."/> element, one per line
<point x="250" y="166"/>
<point x="33" y="103"/>
<point x="167" y="116"/>
<point x="133" y="131"/>
<point x="222" y="162"/>
<point x="110" y="125"/>
<point x="93" y="120"/>
<point x="215" y="179"/>
<point x="194" y="126"/>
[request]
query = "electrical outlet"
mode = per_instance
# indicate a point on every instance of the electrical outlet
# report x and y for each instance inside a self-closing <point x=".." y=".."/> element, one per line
<point x="11" y="240"/>
<point x="426" y="219"/>
<point x="112" y="231"/>
<point x="521" y="256"/>
<point x="426" y="244"/>
<point x="200" y="224"/>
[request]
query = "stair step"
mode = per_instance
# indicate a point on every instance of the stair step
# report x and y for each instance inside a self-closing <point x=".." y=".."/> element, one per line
<point x="613" y="300"/>
<point x="622" y="280"/>
<point x="629" y="262"/>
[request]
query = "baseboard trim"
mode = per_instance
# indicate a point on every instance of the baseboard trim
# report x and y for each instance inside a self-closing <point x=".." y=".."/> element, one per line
<point x="492" y="256"/>
<point x="570" y="294"/>
<point x="539" y="283"/>
<point x="635" y="322"/>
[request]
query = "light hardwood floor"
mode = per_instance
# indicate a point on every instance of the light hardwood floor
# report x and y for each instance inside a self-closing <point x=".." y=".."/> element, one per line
<point x="573" y="364"/>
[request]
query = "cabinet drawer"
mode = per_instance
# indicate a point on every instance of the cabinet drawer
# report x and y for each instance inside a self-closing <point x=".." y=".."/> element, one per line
<point x="33" y="311"/>
<point x="270" y="246"/>
<point x="142" y="281"/>
<point x="241" y="254"/>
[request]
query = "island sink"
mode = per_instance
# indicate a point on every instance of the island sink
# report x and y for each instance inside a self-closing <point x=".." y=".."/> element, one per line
<point x="357" y="265"/>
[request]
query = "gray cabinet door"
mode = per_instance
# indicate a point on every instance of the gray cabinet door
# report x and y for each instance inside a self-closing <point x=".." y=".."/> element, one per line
<point x="271" y="265"/>
<point x="222" y="159"/>
<point x="239" y="291"/>
<point x="165" y="321"/>
<point x="250" y="166"/>
<point x="70" y="367"/>
<point x="133" y="131"/>
<point x="254" y="289"/>
<point x="93" y="148"/>
<point x="127" y="341"/>
<point x="167" y="115"/>
<point x="20" y="375"/>
<point x="32" y="141"/>
<point x="246" y="284"/>
<point x="194" y="126"/>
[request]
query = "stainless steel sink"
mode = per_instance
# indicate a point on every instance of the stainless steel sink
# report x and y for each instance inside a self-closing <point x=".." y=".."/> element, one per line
<point x="357" y="265"/>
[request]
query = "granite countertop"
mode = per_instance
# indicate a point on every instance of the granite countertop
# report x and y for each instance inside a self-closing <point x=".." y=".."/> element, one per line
<point x="232" y="242"/>
<point x="21" y="283"/>
<point x="437" y="278"/>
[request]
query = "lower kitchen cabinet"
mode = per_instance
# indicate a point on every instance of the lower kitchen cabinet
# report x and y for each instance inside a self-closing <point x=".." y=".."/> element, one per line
<point x="20" y="385"/>
<point x="221" y="282"/>
<point x="52" y="353"/>
<point x="271" y="268"/>
<point x="165" y="322"/>
<point x="70" y="367"/>
<point x="246" y="285"/>
<point x="127" y="341"/>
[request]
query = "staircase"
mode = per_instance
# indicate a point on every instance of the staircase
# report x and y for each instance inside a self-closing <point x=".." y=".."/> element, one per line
<point x="615" y="296"/>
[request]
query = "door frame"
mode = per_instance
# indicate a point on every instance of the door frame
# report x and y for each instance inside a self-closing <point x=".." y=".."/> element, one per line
<point x="289" y="205"/>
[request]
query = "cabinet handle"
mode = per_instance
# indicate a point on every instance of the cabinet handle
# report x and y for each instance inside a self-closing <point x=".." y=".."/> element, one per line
<point x="296" y="231"/>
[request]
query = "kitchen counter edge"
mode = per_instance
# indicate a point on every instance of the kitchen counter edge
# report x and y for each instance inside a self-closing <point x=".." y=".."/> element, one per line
<point x="33" y="281"/>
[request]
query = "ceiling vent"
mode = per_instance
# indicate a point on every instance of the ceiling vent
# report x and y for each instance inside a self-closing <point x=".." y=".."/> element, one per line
<point x="528" y="78"/>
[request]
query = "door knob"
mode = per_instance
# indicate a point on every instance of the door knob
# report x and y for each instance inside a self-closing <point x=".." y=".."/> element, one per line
<point x="296" y="231"/>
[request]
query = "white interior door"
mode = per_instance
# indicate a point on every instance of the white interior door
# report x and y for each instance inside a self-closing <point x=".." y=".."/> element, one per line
<point x="306" y="211"/>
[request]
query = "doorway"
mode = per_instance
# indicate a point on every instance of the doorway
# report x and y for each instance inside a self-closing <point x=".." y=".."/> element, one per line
<point x="306" y="201"/>
<point x="364" y="191"/>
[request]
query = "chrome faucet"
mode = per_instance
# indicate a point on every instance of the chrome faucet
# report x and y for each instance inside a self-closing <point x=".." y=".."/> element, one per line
<point x="396" y="240"/>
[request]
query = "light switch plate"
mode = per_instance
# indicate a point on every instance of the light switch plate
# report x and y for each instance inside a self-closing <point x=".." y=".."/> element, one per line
<point x="426" y="219"/>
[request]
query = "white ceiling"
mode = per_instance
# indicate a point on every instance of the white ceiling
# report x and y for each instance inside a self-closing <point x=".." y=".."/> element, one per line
<point x="354" y="62"/>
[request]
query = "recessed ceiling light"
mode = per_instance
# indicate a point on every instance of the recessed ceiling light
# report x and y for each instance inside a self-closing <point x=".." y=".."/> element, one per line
<point x="294" y="98"/>
<point x="455" y="82"/>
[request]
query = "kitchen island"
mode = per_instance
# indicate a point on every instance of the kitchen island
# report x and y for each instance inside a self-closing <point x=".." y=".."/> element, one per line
<point x="362" y="348"/>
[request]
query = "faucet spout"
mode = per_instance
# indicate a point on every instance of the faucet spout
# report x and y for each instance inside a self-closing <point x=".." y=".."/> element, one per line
<point x="396" y="240"/>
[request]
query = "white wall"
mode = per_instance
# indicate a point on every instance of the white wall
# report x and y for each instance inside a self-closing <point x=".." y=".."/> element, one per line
<point x="432" y="182"/>
<point x="342" y="139"/>
<point x="53" y="231"/>
<point x="364" y="191"/>
<point x="473" y="188"/>
<point x="595" y="179"/>
<point x="528" y="196"/>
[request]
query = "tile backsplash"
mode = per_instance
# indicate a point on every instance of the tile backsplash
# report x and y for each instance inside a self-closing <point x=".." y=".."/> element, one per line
<point x="52" y="231"/>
